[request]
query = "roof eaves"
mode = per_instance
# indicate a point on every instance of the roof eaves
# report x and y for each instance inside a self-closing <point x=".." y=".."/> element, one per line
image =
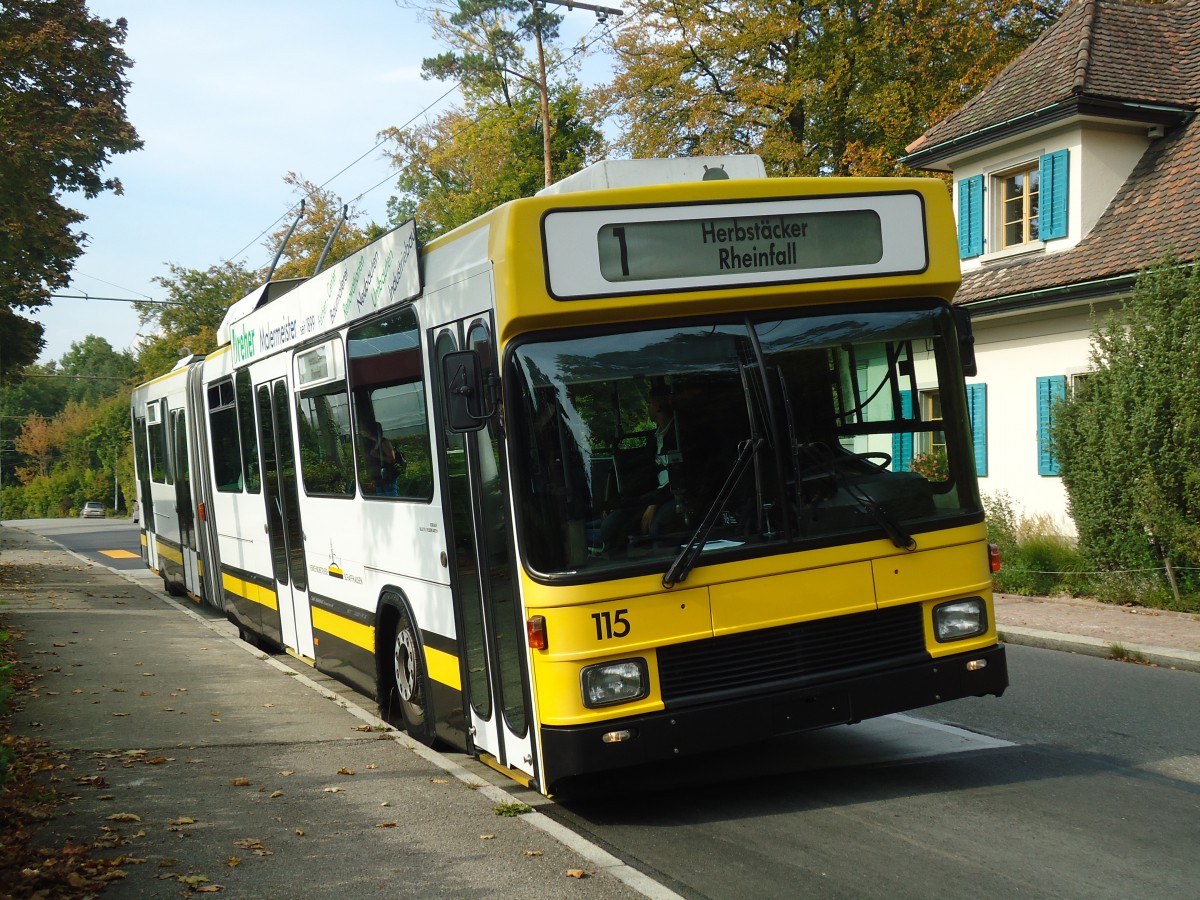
<point x="1078" y="104"/>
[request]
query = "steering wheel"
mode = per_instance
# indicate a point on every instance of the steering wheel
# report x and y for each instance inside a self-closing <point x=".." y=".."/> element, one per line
<point x="876" y="458"/>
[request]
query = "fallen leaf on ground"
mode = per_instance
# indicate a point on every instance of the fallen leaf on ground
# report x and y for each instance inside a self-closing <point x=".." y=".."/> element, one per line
<point x="183" y="820"/>
<point x="124" y="817"/>
<point x="576" y="873"/>
<point x="345" y="771"/>
<point x="386" y="825"/>
<point x="240" y="782"/>
<point x="532" y="853"/>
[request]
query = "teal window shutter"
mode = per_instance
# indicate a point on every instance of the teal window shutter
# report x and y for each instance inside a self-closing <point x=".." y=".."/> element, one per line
<point x="1052" y="206"/>
<point x="970" y="217"/>
<point x="977" y="409"/>
<point x="1051" y="389"/>
<point x="902" y="441"/>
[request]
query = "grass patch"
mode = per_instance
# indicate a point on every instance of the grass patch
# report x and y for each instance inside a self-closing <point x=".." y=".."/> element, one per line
<point x="509" y="810"/>
<point x="1124" y="654"/>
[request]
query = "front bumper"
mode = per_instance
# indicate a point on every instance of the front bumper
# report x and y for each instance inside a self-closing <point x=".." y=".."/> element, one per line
<point x="697" y="728"/>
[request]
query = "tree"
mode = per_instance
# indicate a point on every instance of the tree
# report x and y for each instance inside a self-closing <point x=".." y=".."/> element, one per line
<point x="62" y="115"/>
<point x="187" y="321"/>
<point x="95" y="370"/>
<point x="36" y="444"/>
<point x="467" y="162"/>
<point x="1128" y="440"/>
<point x="816" y="88"/>
<point x="522" y="120"/>
<point x="491" y="62"/>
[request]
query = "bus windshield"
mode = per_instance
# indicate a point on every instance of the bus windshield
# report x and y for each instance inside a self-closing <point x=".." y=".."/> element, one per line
<point x="747" y="437"/>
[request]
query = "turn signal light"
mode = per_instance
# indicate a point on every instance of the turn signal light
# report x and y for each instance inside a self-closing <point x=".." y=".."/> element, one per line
<point x="535" y="629"/>
<point x="994" y="557"/>
<point x="201" y="510"/>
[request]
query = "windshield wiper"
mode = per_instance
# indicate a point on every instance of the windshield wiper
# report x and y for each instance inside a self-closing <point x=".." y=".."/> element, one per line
<point x="864" y="501"/>
<point x="686" y="560"/>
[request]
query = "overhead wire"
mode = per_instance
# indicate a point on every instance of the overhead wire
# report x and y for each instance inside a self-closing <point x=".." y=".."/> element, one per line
<point x="584" y="45"/>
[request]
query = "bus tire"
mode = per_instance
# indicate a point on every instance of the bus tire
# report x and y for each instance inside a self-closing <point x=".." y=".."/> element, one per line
<point x="405" y="687"/>
<point x="170" y="587"/>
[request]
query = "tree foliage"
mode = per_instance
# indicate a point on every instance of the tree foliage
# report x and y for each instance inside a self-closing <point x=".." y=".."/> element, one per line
<point x="488" y="41"/>
<point x="187" y="321"/>
<point x="93" y="370"/>
<point x="62" y="116"/>
<point x="465" y="163"/>
<point x="491" y="149"/>
<point x="815" y="88"/>
<point x="1129" y="439"/>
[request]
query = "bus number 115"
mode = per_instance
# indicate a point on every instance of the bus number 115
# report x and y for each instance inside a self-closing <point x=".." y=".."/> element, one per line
<point x="611" y="624"/>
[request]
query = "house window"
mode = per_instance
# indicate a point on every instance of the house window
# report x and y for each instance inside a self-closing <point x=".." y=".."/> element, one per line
<point x="931" y="411"/>
<point x="1027" y="206"/>
<point x="1019" y="192"/>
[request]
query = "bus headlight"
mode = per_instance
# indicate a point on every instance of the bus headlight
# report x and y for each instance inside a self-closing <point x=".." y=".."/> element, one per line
<point x="614" y="682"/>
<point x="960" y="619"/>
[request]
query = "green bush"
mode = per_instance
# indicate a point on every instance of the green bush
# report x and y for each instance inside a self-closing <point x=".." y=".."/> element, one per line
<point x="1129" y="437"/>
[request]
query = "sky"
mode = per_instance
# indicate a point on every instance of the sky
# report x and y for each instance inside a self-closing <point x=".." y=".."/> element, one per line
<point x="229" y="97"/>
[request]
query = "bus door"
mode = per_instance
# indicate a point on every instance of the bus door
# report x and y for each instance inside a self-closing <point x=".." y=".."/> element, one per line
<point x="285" y="532"/>
<point x="184" y="508"/>
<point x="483" y="575"/>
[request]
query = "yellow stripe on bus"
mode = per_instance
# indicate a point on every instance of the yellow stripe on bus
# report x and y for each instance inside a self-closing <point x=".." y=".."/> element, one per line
<point x="340" y="627"/>
<point x="443" y="668"/>
<point x="170" y="553"/>
<point x="250" y="591"/>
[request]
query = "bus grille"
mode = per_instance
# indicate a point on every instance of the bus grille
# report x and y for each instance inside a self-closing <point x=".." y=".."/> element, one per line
<point x="791" y="655"/>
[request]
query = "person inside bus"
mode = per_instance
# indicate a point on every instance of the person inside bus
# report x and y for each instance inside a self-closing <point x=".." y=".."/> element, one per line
<point x="382" y="464"/>
<point x="655" y="510"/>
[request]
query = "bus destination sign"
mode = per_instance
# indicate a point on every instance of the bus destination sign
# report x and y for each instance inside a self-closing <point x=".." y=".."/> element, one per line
<point x="599" y="252"/>
<point x="631" y="251"/>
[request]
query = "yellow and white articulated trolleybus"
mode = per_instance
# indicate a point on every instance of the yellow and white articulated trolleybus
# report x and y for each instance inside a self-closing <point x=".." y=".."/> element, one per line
<point x="669" y="458"/>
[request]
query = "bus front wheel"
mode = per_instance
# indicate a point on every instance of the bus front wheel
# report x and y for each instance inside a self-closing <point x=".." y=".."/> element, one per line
<point x="407" y="687"/>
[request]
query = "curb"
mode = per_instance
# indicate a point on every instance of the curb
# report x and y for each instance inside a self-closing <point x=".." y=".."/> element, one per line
<point x="1165" y="657"/>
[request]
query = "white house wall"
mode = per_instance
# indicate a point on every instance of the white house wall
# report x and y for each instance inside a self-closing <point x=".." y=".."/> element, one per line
<point x="1013" y="351"/>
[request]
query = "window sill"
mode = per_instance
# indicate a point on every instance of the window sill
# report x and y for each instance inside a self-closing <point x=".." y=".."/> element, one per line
<point x="1010" y="252"/>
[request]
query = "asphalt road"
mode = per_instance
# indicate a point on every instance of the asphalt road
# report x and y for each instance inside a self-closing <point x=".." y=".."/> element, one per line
<point x="1082" y="781"/>
<point x="111" y="542"/>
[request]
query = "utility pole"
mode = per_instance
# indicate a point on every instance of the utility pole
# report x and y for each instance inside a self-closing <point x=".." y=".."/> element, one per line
<point x="602" y="14"/>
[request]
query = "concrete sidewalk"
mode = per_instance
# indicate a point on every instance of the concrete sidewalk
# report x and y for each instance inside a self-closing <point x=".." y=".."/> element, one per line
<point x="202" y="762"/>
<point x="1168" y="639"/>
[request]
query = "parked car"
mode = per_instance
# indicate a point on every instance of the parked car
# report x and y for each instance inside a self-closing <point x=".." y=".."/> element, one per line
<point x="93" y="509"/>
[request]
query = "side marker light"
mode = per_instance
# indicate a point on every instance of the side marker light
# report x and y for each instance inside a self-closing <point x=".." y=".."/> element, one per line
<point x="535" y="629"/>
<point x="616" y="737"/>
<point x="976" y="664"/>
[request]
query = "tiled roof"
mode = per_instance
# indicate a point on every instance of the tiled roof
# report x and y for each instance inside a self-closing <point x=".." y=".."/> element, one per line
<point x="1100" y="49"/>
<point x="1157" y="209"/>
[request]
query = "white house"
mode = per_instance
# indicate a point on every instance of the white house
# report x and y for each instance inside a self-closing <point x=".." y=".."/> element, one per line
<point x="1077" y="167"/>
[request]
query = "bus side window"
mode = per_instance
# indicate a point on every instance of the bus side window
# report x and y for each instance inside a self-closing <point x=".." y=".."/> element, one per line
<point x="223" y="427"/>
<point x="392" y="443"/>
